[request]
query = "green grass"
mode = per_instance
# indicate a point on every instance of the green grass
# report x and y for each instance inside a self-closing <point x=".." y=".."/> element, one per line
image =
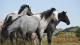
<point x="58" y="42"/>
<point x="62" y="43"/>
<point x="44" y="42"/>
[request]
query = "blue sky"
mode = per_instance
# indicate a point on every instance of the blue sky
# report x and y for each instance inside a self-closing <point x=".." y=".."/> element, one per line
<point x="71" y="6"/>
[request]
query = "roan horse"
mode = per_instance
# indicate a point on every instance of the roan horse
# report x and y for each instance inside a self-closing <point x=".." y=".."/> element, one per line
<point x="61" y="16"/>
<point x="50" y="30"/>
<point x="24" y="10"/>
<point x="26" y="23"/>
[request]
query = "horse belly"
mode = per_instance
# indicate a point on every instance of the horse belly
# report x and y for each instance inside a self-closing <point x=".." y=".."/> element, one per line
<point x="32" y="26"/>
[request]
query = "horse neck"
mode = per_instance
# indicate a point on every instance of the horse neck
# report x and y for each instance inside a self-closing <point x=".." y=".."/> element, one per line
<point x="56" y="23"/>
<point x="22" y="14"/>
<point x="44" y="23"/>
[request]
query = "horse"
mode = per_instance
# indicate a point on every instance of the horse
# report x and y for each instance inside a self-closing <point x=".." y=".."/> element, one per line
<point x="51" y="28"/>
<point x="26" y="23"/>
<point x="24" y="10"/>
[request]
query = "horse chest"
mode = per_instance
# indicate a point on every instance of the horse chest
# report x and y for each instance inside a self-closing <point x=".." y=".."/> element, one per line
<point x="43" y="24"/>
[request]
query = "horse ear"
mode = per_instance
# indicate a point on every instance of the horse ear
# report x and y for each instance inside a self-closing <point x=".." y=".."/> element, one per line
<point x="52" y="9"/>
<point x="64" y="11"/>
<point x="28" y="6"/>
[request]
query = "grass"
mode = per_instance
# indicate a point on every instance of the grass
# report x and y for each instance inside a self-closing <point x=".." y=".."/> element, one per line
<point x="45" y="43"/>
<point x="61" y="39"/>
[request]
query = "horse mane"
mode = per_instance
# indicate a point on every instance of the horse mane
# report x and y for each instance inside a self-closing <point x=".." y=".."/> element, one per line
<point x="61" y="13"/>
<point x="22" y="8"/>
<point x="8" y="21"/>
<point x="47" y="13"/>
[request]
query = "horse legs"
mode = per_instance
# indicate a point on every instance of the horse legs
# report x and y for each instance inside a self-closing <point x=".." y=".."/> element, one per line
<point x="2" y="41"/>
<point x="11" y="38"/>
<point x="49" y="37"/>
<point x="4" y="36"/>
<point x="39" y="36"/>
<point x="34" y="38"/>
<point x="24" y="38"/>
<point x="39" y="40"/>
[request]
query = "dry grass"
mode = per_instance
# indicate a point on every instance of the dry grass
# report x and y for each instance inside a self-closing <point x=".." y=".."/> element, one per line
<point x="61" y="39"/>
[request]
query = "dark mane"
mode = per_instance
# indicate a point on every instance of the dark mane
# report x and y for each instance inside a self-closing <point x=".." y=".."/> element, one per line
<point x="47" y="13"/>
<point x="60" y="15"/>
<point x="63" y="12"/>
<point x="8" y="21"/>
<point x="23" y="7"/>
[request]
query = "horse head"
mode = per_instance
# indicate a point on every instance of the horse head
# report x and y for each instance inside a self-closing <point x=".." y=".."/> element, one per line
<point x="63" y="17"/>
<point x="25" y="10"/>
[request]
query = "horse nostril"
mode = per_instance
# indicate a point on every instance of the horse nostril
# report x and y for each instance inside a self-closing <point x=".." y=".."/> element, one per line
<point x="68" y="23"/>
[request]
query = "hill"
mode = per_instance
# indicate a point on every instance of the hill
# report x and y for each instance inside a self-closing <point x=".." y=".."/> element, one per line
<point x="71" y="29"/>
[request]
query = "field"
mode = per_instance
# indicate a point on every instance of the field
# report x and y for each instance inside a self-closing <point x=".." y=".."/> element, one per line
<point x="67" y="38"/>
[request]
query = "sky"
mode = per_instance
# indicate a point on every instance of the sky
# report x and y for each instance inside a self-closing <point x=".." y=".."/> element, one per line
<point x="72" y="7"/>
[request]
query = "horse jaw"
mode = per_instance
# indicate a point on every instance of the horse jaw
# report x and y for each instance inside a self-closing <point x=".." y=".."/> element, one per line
<point x="68" y="23"/>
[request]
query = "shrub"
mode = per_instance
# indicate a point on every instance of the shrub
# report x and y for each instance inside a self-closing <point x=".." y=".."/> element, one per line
<point x="78" y="33"/>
